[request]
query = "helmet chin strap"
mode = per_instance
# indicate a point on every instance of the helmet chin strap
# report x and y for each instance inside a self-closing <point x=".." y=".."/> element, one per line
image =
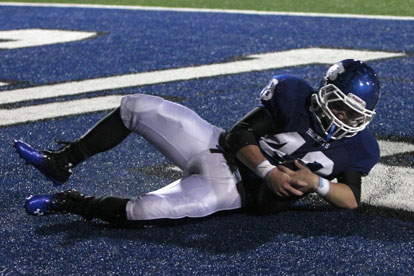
<point x="330" y="133"/>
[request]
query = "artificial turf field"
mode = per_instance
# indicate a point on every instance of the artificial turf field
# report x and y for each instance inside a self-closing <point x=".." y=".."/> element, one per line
<point x="57" y="90"/>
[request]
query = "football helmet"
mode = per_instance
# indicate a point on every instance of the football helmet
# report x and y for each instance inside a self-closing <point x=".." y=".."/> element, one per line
<point x="346" y="99"/>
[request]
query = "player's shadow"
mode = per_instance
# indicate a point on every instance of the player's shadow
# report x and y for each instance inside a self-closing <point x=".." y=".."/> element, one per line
<point x="229" y="232"/>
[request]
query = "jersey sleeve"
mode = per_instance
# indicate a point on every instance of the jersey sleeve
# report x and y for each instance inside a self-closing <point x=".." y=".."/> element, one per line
<point x="249" y="129"/>
<point x="284" y="97"/>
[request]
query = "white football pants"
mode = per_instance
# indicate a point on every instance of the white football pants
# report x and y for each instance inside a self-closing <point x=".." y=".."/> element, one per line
<point x="208" y="184"/>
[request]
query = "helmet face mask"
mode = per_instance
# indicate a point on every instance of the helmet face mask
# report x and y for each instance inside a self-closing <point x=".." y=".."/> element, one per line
<point x="343" y="113"/>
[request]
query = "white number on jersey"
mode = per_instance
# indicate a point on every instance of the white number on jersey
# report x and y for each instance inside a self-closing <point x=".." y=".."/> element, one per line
<point x="291" y="142"/>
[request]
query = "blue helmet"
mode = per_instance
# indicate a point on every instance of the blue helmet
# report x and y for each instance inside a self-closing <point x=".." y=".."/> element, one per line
<point x="352" y="87"/>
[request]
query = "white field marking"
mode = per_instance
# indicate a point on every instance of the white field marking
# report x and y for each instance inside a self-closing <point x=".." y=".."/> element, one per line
<point x="390" y="186"/>
<point x="257" y="62"/>
<point x="37" y="37"/>
<point x="90" y="6"/>
<point x="58" y="109"/>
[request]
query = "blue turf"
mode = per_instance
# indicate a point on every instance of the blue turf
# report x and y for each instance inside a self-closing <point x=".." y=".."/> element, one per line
<point x="306" y="241"/>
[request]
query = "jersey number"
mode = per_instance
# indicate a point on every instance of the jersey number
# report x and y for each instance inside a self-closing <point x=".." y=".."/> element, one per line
<point x="292" y="141"/>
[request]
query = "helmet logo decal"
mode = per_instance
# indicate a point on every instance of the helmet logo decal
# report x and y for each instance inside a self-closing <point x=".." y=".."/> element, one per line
<point x="334" y="70"/>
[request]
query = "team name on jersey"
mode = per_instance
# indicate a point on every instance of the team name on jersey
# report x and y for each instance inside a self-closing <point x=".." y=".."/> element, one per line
<point x="317" y="138"/>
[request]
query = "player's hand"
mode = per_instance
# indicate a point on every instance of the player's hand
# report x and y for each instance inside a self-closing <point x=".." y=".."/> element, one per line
<point x="304" y="175"/>
<point x="283" y="185"/>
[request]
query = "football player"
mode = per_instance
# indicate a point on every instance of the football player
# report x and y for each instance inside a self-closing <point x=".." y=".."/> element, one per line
<point x="295" y="143"/>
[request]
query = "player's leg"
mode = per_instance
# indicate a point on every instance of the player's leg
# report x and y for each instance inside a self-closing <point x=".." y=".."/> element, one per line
<point x="194" y="196"/>
<point x="175" y="130"/>
<point x="213" y="187"/>
<point x="108" y="208"/>
<point x="57" y="165"/>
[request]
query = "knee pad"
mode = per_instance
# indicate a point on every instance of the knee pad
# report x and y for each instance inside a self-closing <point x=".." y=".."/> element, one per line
<point x="132" y="106"/>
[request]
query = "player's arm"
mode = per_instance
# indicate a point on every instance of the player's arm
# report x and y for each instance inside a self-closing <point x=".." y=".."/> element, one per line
<point x="243" y="136"/>
<point x="346" y="193"/>
<point x="242" y="141"/>
<point x="341" y="196"/>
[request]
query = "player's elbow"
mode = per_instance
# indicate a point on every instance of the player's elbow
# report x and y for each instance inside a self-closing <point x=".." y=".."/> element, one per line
<point x="346" y="204"/>
<point x="350" y="205"/>
<point x="354" y="202"/>
<point x="351" y="198"/>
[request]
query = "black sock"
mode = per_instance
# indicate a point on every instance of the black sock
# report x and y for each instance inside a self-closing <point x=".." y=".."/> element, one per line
<point x="108" y="208"/>
<point x="106" y="134"/>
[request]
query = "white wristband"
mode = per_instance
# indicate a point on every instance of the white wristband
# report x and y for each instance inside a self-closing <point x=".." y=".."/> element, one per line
<point x="264" y="168"/>
<point x="323" y="186"/>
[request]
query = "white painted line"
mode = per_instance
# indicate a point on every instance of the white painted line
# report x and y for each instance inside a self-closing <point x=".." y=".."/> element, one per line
<point x="390" y="186"/>
<point x="36" y="37"/>
<point x="257" y="62"/>
<point x="89" y="6"/>
<point x="390" y="148"/>
<point x="58" y="109"/>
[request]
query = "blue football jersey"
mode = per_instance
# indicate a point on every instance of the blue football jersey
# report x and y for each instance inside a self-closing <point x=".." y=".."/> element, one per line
<point x="298" y="135"/>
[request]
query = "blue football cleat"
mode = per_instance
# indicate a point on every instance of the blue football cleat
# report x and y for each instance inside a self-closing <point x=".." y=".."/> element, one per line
<point x="46" y="162"/>
<point x="39" y="205"/>
<point x="70" y="201"/>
